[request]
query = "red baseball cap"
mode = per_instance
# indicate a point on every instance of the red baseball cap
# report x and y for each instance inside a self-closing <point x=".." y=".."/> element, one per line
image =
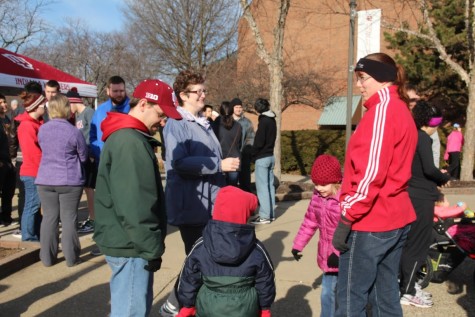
<point x="156" y="91"/>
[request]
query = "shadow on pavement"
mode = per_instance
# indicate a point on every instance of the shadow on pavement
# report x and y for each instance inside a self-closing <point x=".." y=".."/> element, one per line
<point x="20" y="305"/>
<point x="294" y="302"/>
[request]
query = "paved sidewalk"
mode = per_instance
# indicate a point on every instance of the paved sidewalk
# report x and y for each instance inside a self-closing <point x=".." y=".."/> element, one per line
<point x="83" y="290"/>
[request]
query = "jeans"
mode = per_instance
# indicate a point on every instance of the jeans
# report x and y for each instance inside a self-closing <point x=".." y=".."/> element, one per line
<point x="264" y="175"/>
<point x="21" y="191"/>
<point x="328" y="296"/>
<point x="368" y="273"/>
<point x="31" y="218"/>
<point x="131" y="287"/>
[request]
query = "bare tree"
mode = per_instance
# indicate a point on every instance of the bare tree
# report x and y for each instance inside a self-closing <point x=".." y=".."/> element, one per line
<point x="427" y="31"/>
<point x="96" y="56"/>
<point x="20" y="22"/>
<point x="183" y="33"/>
<point x="274" y="60"/>
<point x="304" y="85"/>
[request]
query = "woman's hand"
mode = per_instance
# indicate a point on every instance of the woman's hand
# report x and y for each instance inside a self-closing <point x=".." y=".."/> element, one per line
<point x="230" y="164"/>
<point x="446" y="184"/>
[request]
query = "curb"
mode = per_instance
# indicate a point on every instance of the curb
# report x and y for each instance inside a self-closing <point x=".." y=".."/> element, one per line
<point x="28" y="256"/>
<point x="18" y="261"/>
<point x="458" y="190"/>
<point x="293" y="196"/>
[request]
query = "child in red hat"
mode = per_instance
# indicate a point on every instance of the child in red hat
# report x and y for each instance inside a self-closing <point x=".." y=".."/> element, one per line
<point x="323" y="213"/>
<point x="228" y="271"/>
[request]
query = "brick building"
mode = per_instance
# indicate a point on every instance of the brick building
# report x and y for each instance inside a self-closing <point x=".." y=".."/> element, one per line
<point x="316" y="42"/>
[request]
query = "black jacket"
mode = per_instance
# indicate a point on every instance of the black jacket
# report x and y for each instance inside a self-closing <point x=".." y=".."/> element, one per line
<point x="266" y="134"/>
<point x="425" y="176"/>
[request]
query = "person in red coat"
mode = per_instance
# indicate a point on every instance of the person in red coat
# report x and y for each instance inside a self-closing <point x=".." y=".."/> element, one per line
<point x="376" y="209"/>
<point x="30" y="122"/>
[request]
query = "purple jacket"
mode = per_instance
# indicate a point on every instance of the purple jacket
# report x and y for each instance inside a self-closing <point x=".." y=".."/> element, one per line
<point x="64" y="150"/>
<point x="322" y="213"/>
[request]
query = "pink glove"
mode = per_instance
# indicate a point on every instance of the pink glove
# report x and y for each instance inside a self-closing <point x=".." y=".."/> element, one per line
<point x="187" y="312"/>
<point x="265" y="313"/>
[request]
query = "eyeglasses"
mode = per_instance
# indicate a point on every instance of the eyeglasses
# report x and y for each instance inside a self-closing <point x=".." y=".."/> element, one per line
<point x="363" y="79"/>
<point x="161" y="114"/>
<point x="199" y="92"/>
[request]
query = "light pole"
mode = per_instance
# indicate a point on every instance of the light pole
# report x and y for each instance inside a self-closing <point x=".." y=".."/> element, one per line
<point x="349" y="96"/>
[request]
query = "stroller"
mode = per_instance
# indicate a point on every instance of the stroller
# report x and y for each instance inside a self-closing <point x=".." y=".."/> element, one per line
<point x="453" y="241"/>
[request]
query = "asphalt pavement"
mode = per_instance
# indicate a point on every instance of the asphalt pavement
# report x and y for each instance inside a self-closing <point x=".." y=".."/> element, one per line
<point x="83" y="290"/>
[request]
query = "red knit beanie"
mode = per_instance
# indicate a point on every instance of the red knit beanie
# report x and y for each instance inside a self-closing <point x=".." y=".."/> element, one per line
<point x="326" y="170"/>
<point x="234" y="205"/>
<point x="33" y="101"/>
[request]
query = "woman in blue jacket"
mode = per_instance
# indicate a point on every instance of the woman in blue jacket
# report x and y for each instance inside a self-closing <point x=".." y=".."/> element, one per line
<point x="193" y="163"/>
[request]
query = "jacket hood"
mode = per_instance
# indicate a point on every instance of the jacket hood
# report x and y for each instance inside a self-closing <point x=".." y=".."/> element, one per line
<point x="234" y="205"/>
<point x="26" y="117"/>
<point x="269" y="113"/>
<point x="116" y="121"/>
<point x="229" y="243"/>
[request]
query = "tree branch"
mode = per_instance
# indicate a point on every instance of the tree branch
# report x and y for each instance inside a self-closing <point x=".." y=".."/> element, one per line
<point x="261" y="50"/>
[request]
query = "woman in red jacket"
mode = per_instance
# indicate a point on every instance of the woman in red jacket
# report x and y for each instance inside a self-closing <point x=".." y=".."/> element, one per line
<point x="376" y="209"/>
<point x="30" y="122"/>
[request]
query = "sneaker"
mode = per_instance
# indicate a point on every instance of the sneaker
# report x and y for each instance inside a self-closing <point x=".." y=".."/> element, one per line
<point x="16" y="234"/>
<point x="261" y="221"/>
<point x="168" y="310"/>
<point x="414" y="300"/>
<point x="81" y="223"/>
<point x="421" y="293"/>
<point x="96" y="251"/>
<point x="87" y="227"/>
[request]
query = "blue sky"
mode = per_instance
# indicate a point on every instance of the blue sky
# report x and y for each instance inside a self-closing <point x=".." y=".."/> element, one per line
<point x="99" y="15"/>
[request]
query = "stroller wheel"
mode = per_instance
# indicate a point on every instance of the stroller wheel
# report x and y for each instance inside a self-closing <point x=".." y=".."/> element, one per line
<point x="424" y="275"/>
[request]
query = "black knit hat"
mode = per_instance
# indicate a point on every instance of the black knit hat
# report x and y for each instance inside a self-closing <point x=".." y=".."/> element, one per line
<point x="235" y="102"/>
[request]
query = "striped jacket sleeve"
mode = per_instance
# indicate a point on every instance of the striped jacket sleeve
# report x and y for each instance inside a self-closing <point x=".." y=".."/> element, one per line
<point x="370" y="153"/>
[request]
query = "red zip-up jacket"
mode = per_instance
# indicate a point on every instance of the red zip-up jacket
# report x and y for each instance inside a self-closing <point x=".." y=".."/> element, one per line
<point x="28" y="140"/>
<point x="378" y="166"/>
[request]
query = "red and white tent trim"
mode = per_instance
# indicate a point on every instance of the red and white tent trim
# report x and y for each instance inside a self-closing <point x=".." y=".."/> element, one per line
<point x="16" y="70"/>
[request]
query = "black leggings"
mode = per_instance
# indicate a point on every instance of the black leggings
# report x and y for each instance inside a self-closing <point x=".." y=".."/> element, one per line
<point x="417" y="244"/>
<point x="189" y="235"/>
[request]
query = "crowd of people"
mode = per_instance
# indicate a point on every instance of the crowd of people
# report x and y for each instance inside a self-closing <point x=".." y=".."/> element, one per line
<point x="375" y="220"/>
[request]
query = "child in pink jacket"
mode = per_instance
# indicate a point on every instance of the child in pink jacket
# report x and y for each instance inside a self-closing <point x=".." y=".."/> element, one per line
<point x="444" y="210"/>
<point x="323" y="213"/>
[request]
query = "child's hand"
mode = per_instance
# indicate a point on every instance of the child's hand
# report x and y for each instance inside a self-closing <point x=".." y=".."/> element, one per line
<point x="333" y="260"/>
<point x="296" y="254"/>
